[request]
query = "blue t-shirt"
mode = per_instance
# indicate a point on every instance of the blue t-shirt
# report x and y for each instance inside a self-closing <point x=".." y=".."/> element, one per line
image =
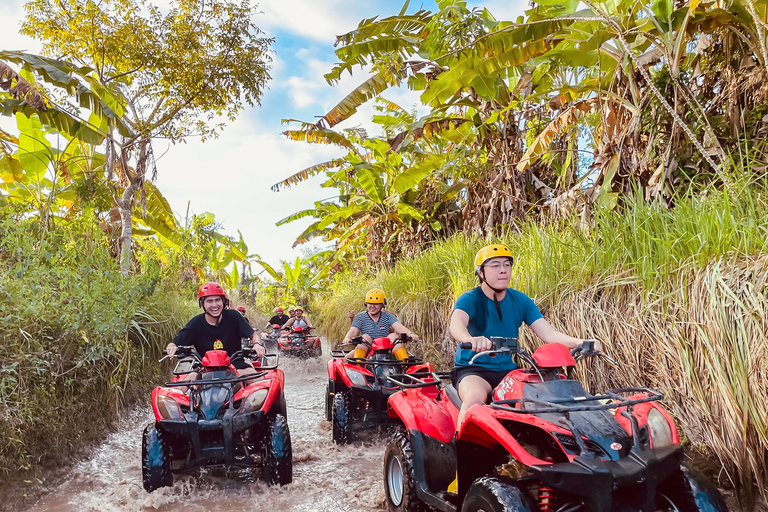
<point x="516" y="308"/>
<point x="366" y="325"/>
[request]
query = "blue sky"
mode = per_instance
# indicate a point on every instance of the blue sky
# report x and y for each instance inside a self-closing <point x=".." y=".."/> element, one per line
<point x="231" y="176"/>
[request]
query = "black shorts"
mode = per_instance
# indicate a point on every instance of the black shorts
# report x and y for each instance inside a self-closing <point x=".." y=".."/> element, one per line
<point x="492" y="377"/>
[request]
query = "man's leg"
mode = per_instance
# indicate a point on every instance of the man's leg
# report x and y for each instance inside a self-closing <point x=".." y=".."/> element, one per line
<point x="246" y="371"/>
<point x="473" y="389"/>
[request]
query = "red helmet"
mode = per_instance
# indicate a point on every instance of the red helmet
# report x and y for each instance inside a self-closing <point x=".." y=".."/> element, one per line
<point x="279" y="310"/>
<point x="241" y="308"/>
<point x="211" y="290"/>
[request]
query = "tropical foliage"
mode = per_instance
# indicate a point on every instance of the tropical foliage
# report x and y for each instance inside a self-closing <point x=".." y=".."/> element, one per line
<point x="166" y="73"/>
<point x="563" y="111"/>
<point x="96" y="270"/>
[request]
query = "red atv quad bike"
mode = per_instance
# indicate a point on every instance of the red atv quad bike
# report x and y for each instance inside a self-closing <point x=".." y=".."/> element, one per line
<point x="299" y="342"/>
<point x="269" y="339"/>
<point x="358" y="388"/>
<point x="218" y="420"/>
<point x="543" y="444"/>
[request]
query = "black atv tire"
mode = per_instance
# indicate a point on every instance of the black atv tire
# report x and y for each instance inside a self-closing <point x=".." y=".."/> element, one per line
<point x="155" y="459"/>
<point x="399" y="479"/>
<point x="495" y="494"/>
<point x="328" y="403"/>
<point x="688" y="490"/>
<point x="341" y="418"/>
<point x="317" y="351"/>
<point x="277" y="453"/>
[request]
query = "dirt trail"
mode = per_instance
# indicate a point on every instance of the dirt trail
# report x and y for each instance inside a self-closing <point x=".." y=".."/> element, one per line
<point x="326" y="478"/>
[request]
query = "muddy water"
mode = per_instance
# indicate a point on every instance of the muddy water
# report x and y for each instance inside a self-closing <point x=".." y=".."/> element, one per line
<point x="325" y="477"/>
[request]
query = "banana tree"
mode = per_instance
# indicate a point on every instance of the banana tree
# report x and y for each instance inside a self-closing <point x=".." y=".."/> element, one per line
<point x="395" y="192"/>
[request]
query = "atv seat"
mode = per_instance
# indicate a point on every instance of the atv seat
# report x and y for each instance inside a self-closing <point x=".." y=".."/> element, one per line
<point x="453" y="395"/>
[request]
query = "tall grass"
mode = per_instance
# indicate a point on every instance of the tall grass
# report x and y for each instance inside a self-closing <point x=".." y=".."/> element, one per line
<point x="77" y="339"/>
<point x="679" y="296"/>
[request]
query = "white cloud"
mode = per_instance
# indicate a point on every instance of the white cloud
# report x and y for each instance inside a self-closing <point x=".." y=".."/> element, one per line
<point x="503" y="10"/>
<point x="231" y="176"/>
<point x="320" y="21"/>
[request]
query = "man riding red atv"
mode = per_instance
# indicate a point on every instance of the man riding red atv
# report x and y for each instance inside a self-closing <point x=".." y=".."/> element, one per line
<point x="221" y="408"/>
<point x="299" y="342"/>
<point x="219" y="419"/>
<point x="269" y="339"/>
<point x="543" y="444"/>
<point x="359" y="387"/>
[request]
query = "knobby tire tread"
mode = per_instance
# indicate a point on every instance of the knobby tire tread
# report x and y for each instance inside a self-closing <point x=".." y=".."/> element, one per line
<point x="400" y="446"/>
<point x="155" y="459"/>
<point x="342" y="420"/>
<point x="278" y="453"/>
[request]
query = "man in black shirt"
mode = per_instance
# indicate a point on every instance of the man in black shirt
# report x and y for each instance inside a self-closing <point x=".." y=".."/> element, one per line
<point x="217" y="328"/>
<point x="280" y="318"/>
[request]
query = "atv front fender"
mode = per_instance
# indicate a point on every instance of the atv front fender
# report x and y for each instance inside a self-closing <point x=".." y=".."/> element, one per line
<point x="423" y="414"/>
<point x="483" y="428"/>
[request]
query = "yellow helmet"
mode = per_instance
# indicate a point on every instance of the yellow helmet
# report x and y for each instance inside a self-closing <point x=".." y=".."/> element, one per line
<point x="491" y="251"/>
<point x="375" y="296"/>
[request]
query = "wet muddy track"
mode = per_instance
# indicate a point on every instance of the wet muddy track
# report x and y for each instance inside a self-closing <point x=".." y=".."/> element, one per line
<point x="325" y="477"/>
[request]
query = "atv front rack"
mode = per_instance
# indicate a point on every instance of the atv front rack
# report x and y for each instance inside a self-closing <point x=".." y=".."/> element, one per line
<point x="192" y="363"/>
<point x="364" y="361"/>
<point x="203" y="383"/>
<point x="418" y="379"/>
<point x="561" y="406"/>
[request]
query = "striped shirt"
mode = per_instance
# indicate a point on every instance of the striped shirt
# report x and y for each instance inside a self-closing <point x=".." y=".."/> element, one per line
<point x="366" y="325"/>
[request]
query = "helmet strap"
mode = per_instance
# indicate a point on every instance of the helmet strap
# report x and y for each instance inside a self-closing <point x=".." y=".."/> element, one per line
<point x="496" y="291"/>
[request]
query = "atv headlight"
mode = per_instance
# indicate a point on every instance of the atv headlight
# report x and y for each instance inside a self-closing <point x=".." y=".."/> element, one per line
<point x="357" y="378"/>
<point x="255" y="400"/>
<point x="661" y="432"/>
<point x="168" y="408"/>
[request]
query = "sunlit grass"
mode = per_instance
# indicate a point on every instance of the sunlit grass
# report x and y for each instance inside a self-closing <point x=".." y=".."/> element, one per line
<point x="677" y="295"/>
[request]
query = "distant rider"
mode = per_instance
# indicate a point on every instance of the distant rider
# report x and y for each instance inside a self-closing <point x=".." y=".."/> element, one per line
<point x="374" y="323"/>
<point x="492" y="309"/>
<point x="299" y="320"/>
<point x="280" y="318"/>
<point x="217" y="328"/>
<point x="241" y="309"/>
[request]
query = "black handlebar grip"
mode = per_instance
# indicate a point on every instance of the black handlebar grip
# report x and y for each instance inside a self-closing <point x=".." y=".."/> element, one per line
<point x="465" y="344"/>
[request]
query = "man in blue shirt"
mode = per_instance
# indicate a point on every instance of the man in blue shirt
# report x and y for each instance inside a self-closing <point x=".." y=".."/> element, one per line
<point x="492" y="309"/>
<point x="375" y="323"/>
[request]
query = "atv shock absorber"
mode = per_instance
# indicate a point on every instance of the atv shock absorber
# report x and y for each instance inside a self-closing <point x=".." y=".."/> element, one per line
<point x="546" y="499"/>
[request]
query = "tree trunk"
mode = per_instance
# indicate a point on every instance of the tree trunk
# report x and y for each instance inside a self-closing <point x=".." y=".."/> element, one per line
<point x="126" y="236"/>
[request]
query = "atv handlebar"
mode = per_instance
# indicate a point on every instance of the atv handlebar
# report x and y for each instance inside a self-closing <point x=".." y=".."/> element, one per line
<point x="587" y="349"/>
<point x="500" y="346"/>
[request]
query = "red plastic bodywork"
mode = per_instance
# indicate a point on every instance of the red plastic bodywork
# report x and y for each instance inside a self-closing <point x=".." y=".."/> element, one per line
<point x="284" y="341"/>
<point x="216" y="359"/>
<point x="383" y="343"/>
<point x="273" y="379"/>
<point x="641" y="413"/>
<point x="421" y="412"/>
<point x="553" y="355"/>
<point x="483" y="425"/>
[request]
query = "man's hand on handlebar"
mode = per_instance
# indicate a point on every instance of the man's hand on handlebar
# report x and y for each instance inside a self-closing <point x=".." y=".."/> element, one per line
<point x="258" y="348"/>
<point x="171" y="349"/>
<point x="478" y="344"/>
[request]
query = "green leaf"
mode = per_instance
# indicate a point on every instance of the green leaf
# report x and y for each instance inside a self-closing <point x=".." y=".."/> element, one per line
<point x="417" y="172"/>
<point x="371" y="182"/>
<point x="34" y="148"/>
